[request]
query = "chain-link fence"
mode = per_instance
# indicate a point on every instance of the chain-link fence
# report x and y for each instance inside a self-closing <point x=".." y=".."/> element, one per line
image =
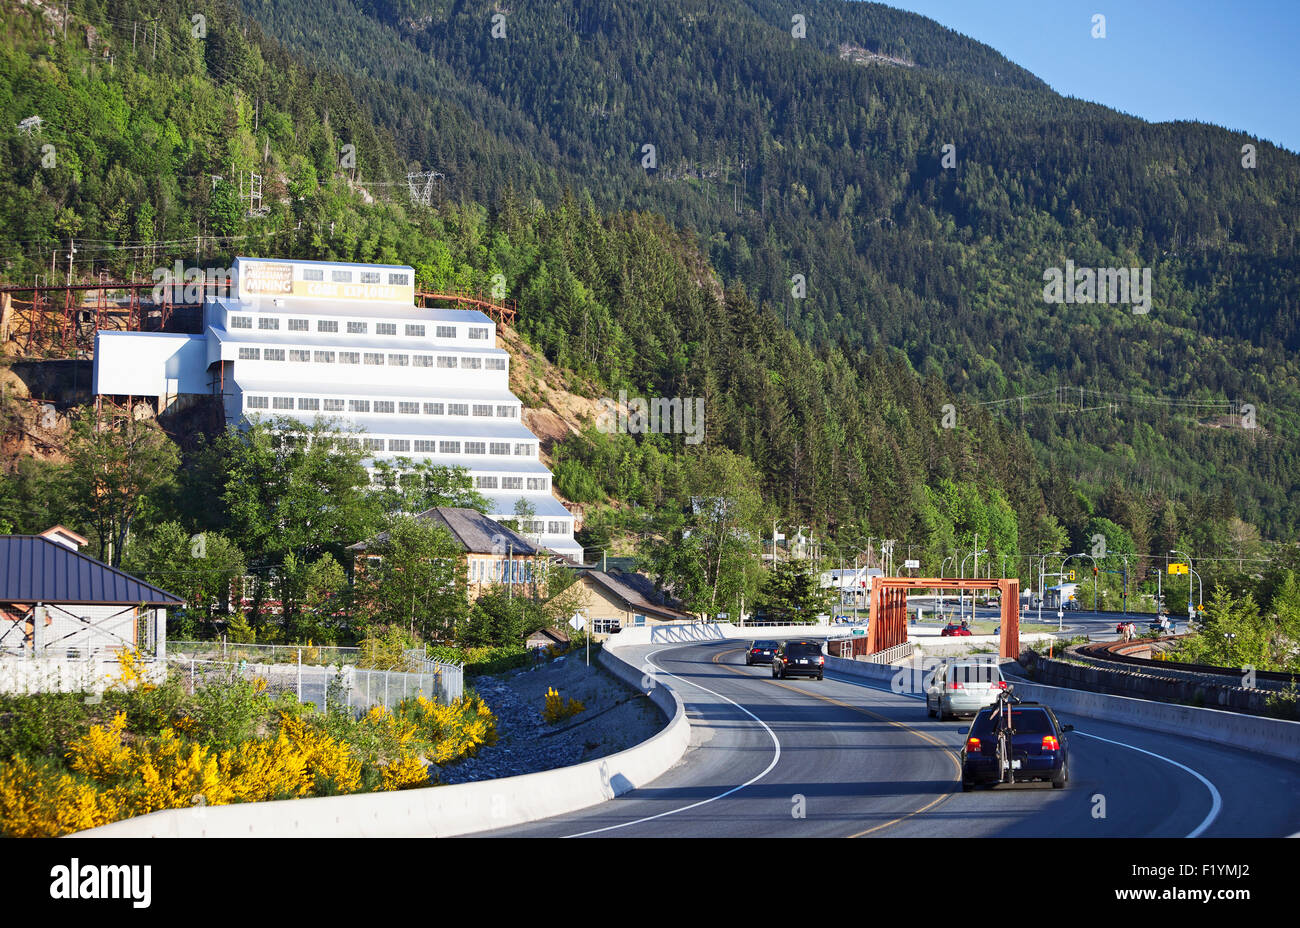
<point x="347" y="686"/>
<point x="224" y="650"/>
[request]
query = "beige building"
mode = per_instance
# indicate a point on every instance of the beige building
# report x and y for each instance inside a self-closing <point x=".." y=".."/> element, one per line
<point x="494" y="554"/>
<point x="615" y="600"/>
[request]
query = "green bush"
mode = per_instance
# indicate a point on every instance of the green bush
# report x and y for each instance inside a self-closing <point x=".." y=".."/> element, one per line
<point x="39" y="725"/>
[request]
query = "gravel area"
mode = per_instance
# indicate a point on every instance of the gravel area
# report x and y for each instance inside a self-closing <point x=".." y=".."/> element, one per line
<point x="616" y="718"/>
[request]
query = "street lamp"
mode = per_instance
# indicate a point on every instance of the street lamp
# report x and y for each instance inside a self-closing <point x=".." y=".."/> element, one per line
<point x="974" y="554"/>
<point x="1042" y="579"/>
<point x="1190" y="612"/>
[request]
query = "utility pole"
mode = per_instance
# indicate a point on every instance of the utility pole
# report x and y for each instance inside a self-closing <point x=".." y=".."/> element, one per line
<point x="72" y="250"/>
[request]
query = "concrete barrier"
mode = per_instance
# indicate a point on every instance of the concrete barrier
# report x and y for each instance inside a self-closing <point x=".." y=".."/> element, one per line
<point x="439" y="811"/>
<point x="687" y="632"/>
<point x="1274" y="737"/>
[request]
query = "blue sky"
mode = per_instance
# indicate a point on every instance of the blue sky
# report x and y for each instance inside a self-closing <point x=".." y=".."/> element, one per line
<point x="1233" y="64"/>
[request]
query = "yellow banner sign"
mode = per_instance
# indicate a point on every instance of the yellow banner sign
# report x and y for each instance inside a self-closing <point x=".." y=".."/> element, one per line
<point x="1178" y="568"/>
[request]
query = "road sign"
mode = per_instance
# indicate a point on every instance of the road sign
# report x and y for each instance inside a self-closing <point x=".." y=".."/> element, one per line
<point x="577" y="623"/>
<point x="1178" y="568"/>
<point x="911" y="565"/>
<point x="857" y="631"/>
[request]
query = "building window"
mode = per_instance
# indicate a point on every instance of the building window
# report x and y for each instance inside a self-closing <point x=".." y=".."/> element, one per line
<point x="383" y="405"/>
<point x="475" y="447"/>
<point x="282" y="402"/>
<point x="349" y="357"/>
<point x="537" y="483"/>
<point x="385" y="328"/>
<point x="374" y="444"/>
<point x="471" y="364"/>
<point x="399" y="360"/>
<point x="256" y="402"/>
<point x="249" y="354"/>
<point x="297" y="354"/>
<point x="485" y="483"/>
<point x="555" y="528"/>
<point x="409" y="409"/>
<point x="358" y="328"/>
<point x="299" y="325"/>
<point x="268" y="322"/>
<point x="241" y="322"/>
<point x="370" y="277"/>
<point x="309" y="403"/>
<point x="605" y="626"/>
<point x="358" y="405"/>
<point x="333" y="405"/>
<point x="434" y="409"/>
<point x="423" y="444"/>
<point x="341" y="277"/>
<point x="422" y="360"/>
<point x="444" y="361"/>
<point x="476" y="332"/>
<point x="458" y="409"/>
<point x="526" y="450"/>
<point x="327" y="325"/>
<point x="536" y="527"/>
<point x="324" y="357"/>
<point x="373" y="358"/>
<point x="512" y="483"/>
<point x="496" y="364"/>
<point x="415" y="331"/>
<point x="274" y="354"/>
<point x="399" y="444"/>
<point x="313" y="273"/>
<point x="446" y="331"/>
<point x="449" y="447"/>
<point x="505" y="412"/>
<point x="499" y="447"/>
<point x="399" y="280"/>
<point x="481" y="410"/>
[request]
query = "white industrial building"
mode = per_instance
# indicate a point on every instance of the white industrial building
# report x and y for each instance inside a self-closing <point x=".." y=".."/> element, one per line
<point x="346" y="342"/>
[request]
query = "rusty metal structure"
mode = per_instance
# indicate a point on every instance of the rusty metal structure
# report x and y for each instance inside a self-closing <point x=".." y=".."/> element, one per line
<point x="888" y="626"/>
<point x="61" y="320"/>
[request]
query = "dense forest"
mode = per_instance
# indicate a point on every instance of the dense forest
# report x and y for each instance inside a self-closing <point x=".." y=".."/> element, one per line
<point x="862" y="407"/>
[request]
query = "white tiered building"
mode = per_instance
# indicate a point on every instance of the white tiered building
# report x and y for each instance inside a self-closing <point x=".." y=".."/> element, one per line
<point x="346" y="342"/>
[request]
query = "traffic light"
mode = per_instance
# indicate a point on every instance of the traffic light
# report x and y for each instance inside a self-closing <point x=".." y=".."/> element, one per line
<point x="1072" y="575"/>
<point x="1094" y="571"/>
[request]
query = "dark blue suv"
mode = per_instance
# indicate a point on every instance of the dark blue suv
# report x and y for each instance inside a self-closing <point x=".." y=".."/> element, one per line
<point x="1039" y="748"/>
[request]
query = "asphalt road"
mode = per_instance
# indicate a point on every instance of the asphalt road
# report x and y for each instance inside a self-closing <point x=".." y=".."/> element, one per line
<point x="838" y="758"/>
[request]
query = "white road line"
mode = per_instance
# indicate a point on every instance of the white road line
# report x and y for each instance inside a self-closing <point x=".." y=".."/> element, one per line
<point x="776" y="743"/>
<point x="1216" y="801"/>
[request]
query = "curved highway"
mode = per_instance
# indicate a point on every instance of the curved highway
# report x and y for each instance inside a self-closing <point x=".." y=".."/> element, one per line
<point x="840" y="758"/>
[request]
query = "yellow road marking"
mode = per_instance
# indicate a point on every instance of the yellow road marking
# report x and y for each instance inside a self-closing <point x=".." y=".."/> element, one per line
<point x="880" y="718"/>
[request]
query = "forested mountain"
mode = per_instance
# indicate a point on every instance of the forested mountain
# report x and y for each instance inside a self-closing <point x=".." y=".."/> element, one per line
<point x="775" y="156"/>
<point x="823" y="156"/>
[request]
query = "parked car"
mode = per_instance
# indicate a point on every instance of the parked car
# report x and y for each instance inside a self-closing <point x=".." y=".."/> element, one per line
<point x="1039" y="748"/>
<point x="963" y="688"/>
<point x="760" y="652"/>
<point x="798" y="658"/>
<point x="951" y="629"/>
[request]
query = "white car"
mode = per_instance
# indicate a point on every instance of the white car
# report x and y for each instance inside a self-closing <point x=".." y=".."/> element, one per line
<point x="963" y="688"/>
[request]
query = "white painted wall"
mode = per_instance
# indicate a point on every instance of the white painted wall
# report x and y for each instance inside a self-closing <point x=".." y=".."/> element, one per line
<point x="150" y="364"/>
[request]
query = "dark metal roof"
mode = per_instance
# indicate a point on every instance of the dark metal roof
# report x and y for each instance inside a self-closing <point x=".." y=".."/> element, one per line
<point x="638" y="591"/>
<point x="37" y="570"/>
<point x="473" y="531"/>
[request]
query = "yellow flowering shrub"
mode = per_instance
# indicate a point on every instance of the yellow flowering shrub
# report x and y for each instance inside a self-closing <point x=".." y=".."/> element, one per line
<point x="404" y="773"/>
<point x="38" y="803"/>
<point x="558" y="709"/>
<point x="132" y="669"/>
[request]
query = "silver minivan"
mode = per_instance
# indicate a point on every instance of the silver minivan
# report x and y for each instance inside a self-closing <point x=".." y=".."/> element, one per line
<point x="963" y="688"/>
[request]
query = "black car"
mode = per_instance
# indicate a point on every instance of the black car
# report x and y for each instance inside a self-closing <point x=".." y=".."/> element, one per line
<point x="798" y="658"/>
<point x="760" y="652"/>
<point x="1039" y="748"/>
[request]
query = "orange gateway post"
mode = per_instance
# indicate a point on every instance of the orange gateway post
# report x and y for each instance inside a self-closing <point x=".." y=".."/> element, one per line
<point x="888" y="624"/>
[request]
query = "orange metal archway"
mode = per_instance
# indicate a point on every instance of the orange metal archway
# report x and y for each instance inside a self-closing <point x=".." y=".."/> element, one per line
<point x="888" y="624"/>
